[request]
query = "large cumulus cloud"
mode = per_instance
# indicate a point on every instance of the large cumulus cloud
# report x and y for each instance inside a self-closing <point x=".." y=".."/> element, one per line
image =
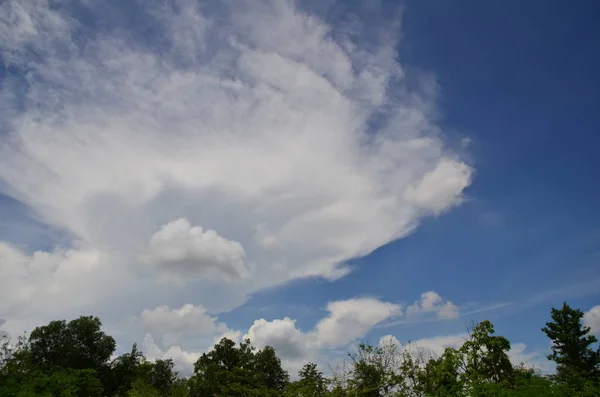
<point x="235" y="146"/>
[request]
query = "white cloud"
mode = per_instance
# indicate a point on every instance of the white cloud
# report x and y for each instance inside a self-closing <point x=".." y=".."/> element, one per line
<point x="167" y="330"/>
<point x="44" y="284"/>
<point x="282" y="335"/>
<point x="436" y="345"/>
<point x="351" y="319"/>
<point x="174" y="324"/>
<point x="183" y="360"/>
<point x="438" y="187"/>
<point x="520" y="354"/>
<point x="235" y="336"/>
<point x="190" y="251"/>
<point x="257" y="129"/>
<point x="29" y="23"/>
<point x="426" y="348"/>
<point x="293" y="347"/>
<point x="347" y="321"/>
<point x="591" y="319"/>
<point x="432" y="302"/>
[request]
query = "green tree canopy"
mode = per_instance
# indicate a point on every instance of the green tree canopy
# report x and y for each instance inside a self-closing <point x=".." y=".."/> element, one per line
<point x="484" y="355"/>
<point x="572" y="346"/>
<point x="312" y="383"/>
<point x="71" y="359"/>
<point x="78" y="344"/>
<point x="238" y="370"/>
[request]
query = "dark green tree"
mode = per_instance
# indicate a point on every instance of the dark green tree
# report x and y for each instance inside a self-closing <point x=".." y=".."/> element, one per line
<point x="238" y="370"/>
<point x="375" y="370"/>
<point x="141" y="388"/>
<point x="16" y="368"/>
<point x="572" y="350"/>
<point x="484" y="356"/>
<point x="440" y="376"/>
<point x="68" y="383"/>
<point x="268" y="366"/>
<point x="161" y="375"/>
<point x="312" y="383"/>
<point x="124" y="370"/>
<point x="78" y="344"/>
<point x="60" y="358"/>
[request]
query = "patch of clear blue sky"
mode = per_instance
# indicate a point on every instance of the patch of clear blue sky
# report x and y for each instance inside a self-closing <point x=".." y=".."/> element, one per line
<point x="521" y="78"/>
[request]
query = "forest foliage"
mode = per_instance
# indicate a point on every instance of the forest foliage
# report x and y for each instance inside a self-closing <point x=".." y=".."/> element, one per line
<point x="73" y="359"/>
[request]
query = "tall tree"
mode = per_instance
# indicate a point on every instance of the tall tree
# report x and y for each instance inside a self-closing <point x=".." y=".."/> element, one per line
<point x="485" y="355"/>
<point x="238" y="370"/>
<point x="16" y="367"/>
<point x="312" y="383"/>
<point x="375" y="370"/>
<point x="268" y="366"/>
<point x="161" y="375"/>
<point x="572" y="346"/>
<point x="78" y="344"/>
<point x="70" y="348"/>
<point x="125" y="369"/>
<point x="440" y="376"/>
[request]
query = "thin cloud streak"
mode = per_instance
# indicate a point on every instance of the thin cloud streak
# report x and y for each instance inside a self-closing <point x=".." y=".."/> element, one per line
<point x="488" y="308"/>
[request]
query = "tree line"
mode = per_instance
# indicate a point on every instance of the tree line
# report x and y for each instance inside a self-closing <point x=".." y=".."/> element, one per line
<point x="73" y="359"/>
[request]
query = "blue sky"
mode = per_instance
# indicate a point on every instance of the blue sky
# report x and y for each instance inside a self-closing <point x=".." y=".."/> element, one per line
<point x="300" y="174"/>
